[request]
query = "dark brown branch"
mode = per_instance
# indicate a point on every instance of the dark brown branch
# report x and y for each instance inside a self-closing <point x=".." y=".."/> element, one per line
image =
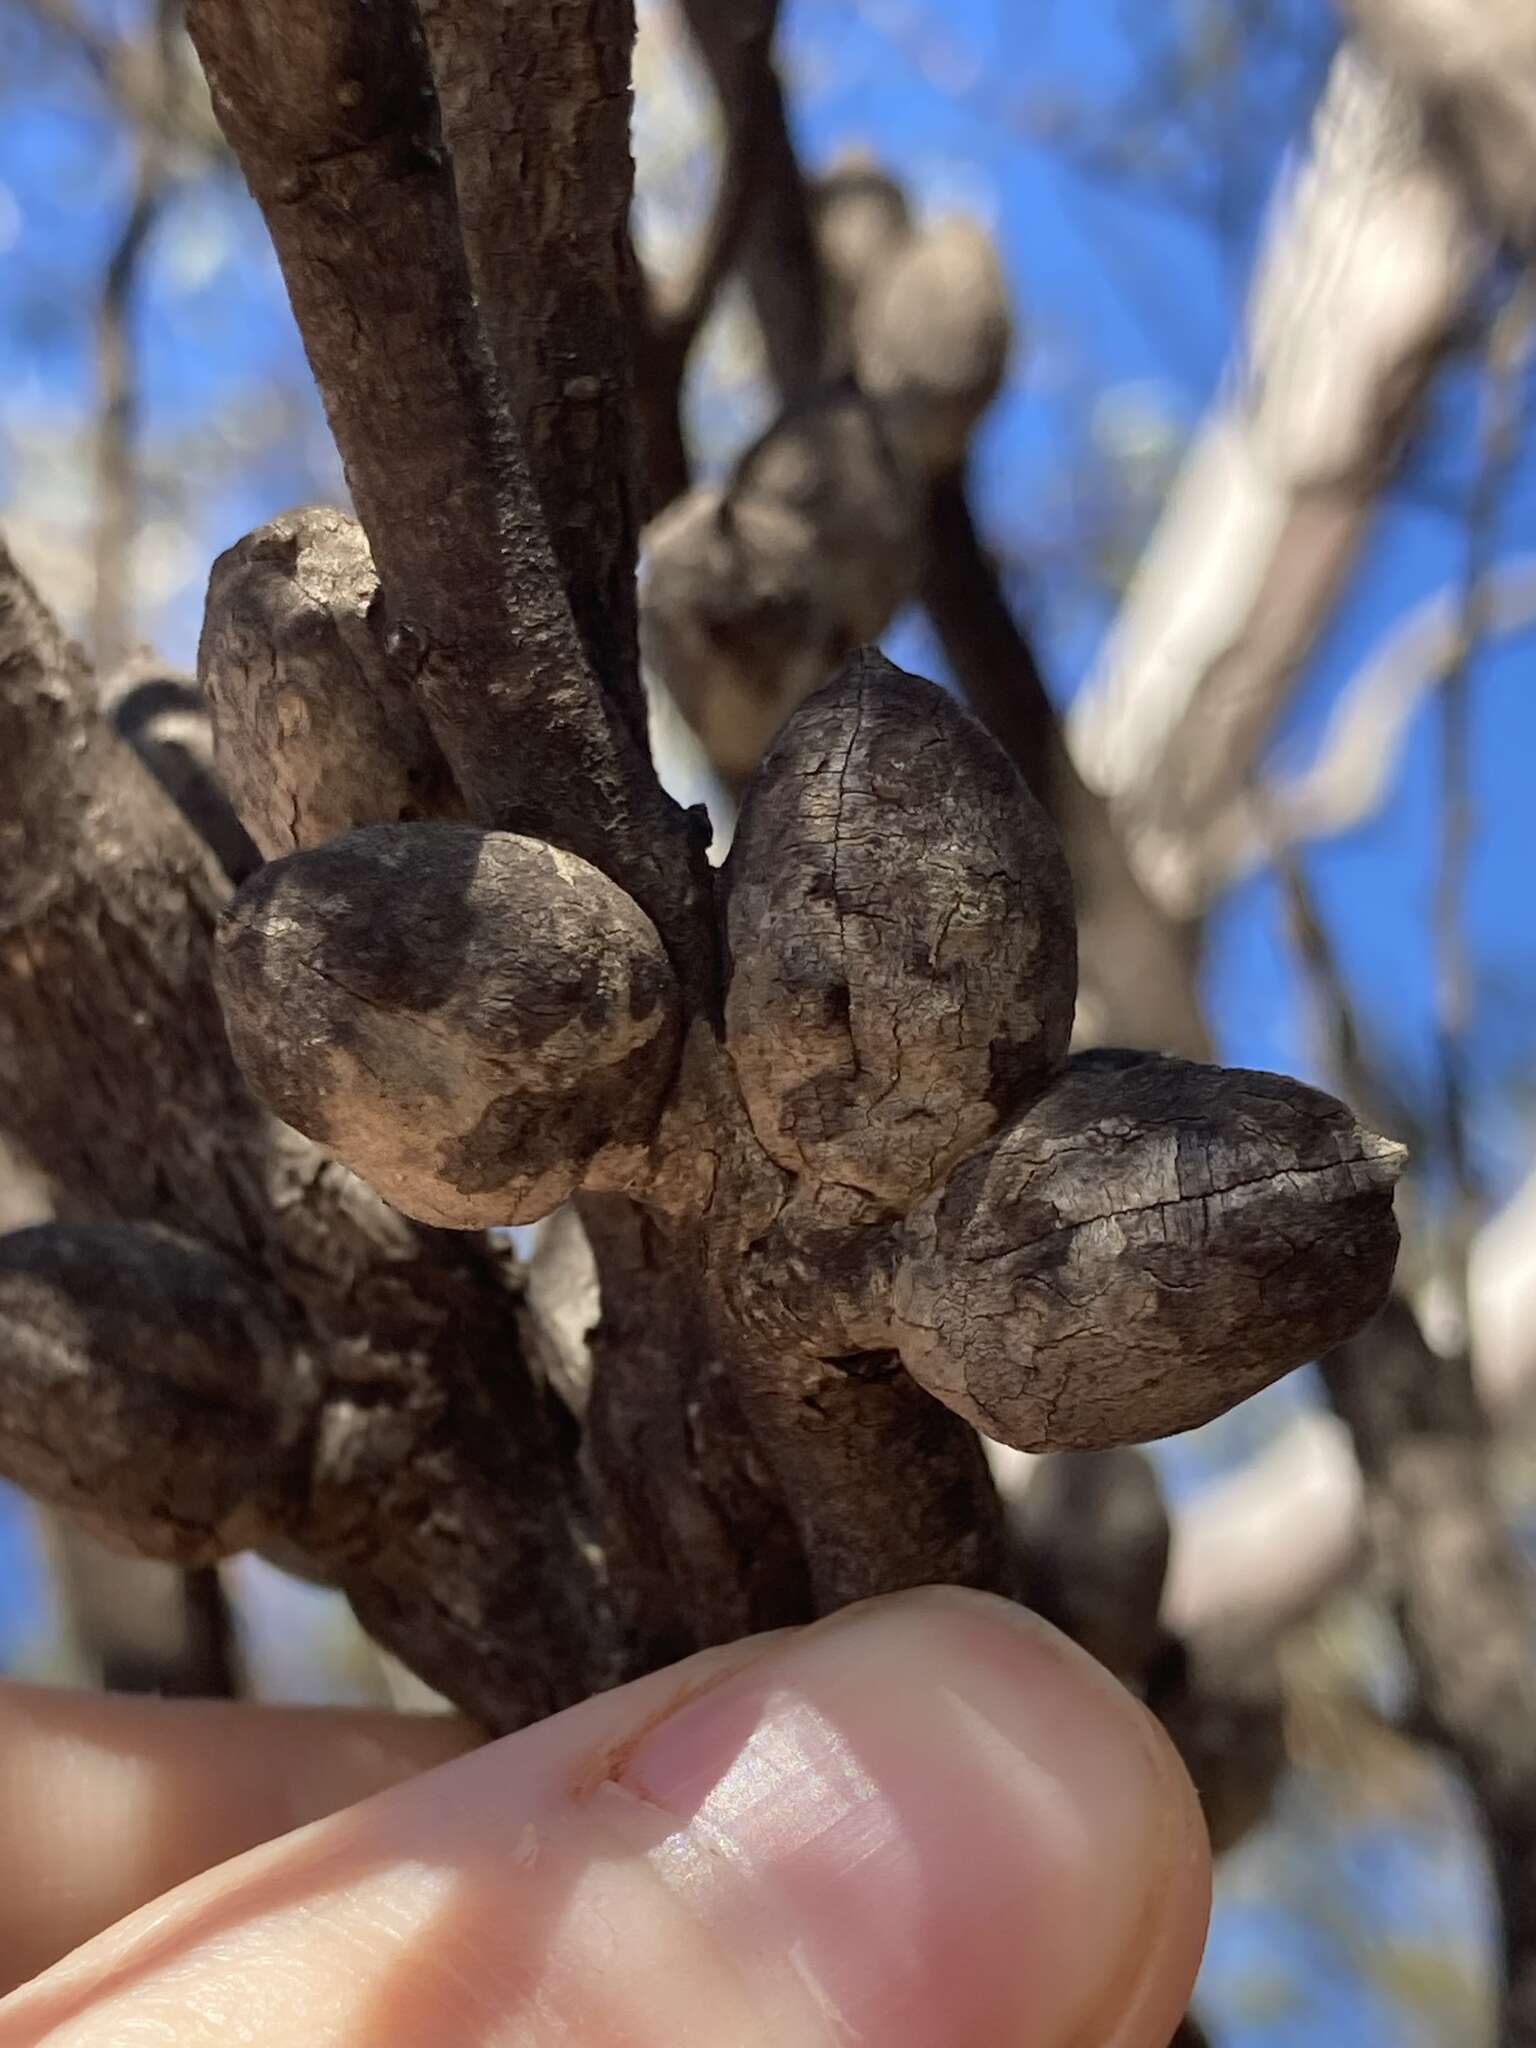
<point x="117" y="1081"/>
<point x="350" y="170"/>
<point x="534" y="105"/>
<point x="152" y="1390"/>
<point x="778" y="250"/>
<point x="118" y="498"/>
<point x="699" y="1541"/>
<point x="666" y="336"/>
<point x="147" y="1387"/>
<point x="1092" y="1533"/>
<point x="136" y="1626"/>
<point x="993" y="659"/>
<point x="165" y="720"/>
<point x="1093" y="1538"/>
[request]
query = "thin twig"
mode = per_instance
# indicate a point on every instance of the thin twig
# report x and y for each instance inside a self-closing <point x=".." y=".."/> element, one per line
<point x="119" y="506"/>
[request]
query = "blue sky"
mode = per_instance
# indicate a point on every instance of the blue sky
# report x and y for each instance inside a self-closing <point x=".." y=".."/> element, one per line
<point x="1128" y="298"/>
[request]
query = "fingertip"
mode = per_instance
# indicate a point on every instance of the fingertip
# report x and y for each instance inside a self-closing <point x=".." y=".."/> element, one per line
<point x="929" y="1821"/>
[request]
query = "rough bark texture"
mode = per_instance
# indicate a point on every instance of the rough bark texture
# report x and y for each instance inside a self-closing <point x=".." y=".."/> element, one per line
<point x="521" y="100"/>
<point x="699" y="1538"/>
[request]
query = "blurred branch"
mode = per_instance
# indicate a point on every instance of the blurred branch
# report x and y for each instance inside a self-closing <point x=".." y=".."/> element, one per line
<point x="1357" y="1074"/>
<point x="133" y="1625"/>
<point x="1139" y="964"/>
<point x="679" y="314"/>
<point x="1360" y="284"/>
<point x="130" y="71"/>
<point x="1473" y="62"/>
<point x="1091" y="1532"/>
<point x="118" y="494"/>
<point x="102" y="52"/>
<point x="1265" y="1546"/>
<point x="1358" y="756"/>
<point x="778" y="248"/>
<point x="674" y="318"/>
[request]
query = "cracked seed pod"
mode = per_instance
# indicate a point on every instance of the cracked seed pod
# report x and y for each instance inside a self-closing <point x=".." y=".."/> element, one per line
<point x="931" y="334"/>
<point x="899" y="914"/>
<point x="752" y="596"/>
<point x="465" y="1018"/>
<point x="314" y="729"/>
<point x="1147" y="1245"/>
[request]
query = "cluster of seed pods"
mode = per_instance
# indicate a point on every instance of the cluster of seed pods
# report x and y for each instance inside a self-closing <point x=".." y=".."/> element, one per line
<point x="881" y="1142"/>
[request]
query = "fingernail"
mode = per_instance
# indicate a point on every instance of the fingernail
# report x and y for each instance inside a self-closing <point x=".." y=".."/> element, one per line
<point x="936" y="1822"/>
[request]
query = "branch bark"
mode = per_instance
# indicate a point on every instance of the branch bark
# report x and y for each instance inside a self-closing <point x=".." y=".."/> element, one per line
<point x="523" y="99"/>
<point x="353" y="163"/>
<point x="118" y="1084"/>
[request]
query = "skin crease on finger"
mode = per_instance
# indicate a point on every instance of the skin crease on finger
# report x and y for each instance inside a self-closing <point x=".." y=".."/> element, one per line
<point x="926" y="1823"/>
